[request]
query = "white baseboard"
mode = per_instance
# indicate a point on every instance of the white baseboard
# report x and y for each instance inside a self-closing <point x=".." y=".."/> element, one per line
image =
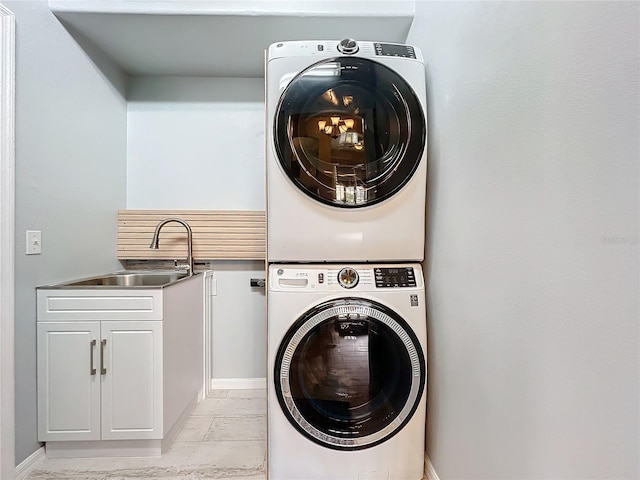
<point x="238" y="383"/>
<point x="30" y="463"/>
<point x="430" y="472"/>
<point x="170" y="436"/>
<point x="104" y="448"/>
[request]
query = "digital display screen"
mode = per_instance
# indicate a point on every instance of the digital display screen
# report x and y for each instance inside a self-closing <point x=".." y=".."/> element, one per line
<point x="395" y="277"/>
<point x="391" y="50"/>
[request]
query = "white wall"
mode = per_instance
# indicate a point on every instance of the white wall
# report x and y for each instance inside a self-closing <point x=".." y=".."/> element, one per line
<point x="70" y="178"/>
<point x="198" y="143"/>
<point x="532" y="244"/>
<point x="239" y="345"/>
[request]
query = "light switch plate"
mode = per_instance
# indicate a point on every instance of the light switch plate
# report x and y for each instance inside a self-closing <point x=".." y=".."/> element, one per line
<point x="34" y="242"/>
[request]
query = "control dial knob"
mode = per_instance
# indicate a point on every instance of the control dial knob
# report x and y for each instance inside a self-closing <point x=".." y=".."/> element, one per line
<point x="348" y="46"/>
<point x="348" y="277"/>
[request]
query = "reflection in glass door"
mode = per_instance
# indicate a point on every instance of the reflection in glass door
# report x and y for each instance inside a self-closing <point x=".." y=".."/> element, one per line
<point x="349" y="132"/>
<point x="349" y="374"/>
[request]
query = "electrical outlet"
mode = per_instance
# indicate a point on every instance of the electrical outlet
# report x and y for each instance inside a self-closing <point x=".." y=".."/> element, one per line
<point x="34" y="242"/>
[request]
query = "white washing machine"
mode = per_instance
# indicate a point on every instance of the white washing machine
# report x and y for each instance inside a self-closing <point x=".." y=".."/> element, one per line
<point x="346" y="372"/>
<point x="346" y="152"/>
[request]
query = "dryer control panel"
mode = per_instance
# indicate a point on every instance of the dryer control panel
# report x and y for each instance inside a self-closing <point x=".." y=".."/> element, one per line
<point x="345" y="47"/>
<point x="394" y="50"/>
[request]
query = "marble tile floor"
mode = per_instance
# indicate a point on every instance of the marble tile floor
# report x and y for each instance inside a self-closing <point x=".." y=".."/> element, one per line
<point x="224" y="438"/>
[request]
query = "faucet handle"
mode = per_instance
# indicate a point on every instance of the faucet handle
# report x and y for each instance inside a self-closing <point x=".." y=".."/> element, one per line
<point x="181" y="266"/>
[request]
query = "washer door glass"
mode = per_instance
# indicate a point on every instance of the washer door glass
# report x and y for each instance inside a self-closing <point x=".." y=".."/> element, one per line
<point x="349" y="374"/>
<point x="349" y="132"/>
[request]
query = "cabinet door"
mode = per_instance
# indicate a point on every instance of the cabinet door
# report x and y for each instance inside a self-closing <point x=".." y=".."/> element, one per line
<point x="132" y="383"/>
<point x="68" y="388"/>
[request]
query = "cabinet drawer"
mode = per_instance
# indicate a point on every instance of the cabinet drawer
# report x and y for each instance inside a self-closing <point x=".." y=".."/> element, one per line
<point x="68" y="305"/>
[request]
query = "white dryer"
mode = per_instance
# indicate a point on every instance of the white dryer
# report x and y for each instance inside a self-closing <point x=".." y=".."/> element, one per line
<point x="346" y="152"/>
<point x="346" y="372"/>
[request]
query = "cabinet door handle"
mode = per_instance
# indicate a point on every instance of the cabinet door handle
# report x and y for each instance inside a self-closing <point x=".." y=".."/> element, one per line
<point x="92" y="344"/>
<point x="103" y="344"/>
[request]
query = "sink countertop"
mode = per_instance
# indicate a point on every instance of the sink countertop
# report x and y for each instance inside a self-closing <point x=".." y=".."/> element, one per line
<point x="86" y="282"/>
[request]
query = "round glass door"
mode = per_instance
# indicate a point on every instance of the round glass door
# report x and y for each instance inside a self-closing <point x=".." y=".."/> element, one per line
<point x="349" y="374"/>
<point x="349" y="132"/>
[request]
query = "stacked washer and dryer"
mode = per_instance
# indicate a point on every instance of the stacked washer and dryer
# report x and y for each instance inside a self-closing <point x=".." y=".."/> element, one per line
<point x="346" y="186"/>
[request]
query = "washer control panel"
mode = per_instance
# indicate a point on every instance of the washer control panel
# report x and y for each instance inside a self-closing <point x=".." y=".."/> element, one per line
<point x="395" y="277"/>
<point x="339" y="278"/>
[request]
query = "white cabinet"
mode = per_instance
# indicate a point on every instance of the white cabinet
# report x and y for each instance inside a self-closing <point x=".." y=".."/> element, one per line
<point x="131" y="380"/>
<point x="68" y="391"/>
<point x="119" y="370"/>
<point x="100" y="380"/>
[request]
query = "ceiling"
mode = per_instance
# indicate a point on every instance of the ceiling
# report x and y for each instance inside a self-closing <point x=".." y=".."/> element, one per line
<point x="222" y="38"/>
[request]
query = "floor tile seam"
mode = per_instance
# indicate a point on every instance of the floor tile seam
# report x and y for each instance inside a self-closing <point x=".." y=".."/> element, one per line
<point x="234" y="416"/>
<point x="252" y="440"/>
<point x="229" y="440"/>
<point x="182" y="442"/>
<point x="227" y="412"/>
<point x="240" y="415"/>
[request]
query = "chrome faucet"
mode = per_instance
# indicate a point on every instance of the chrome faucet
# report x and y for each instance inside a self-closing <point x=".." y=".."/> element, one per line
<point x="155" y="243"/>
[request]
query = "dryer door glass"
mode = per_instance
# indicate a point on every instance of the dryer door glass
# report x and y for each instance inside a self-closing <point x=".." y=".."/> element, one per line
<point x="349" y="132"/>
<point x="349" y="374"/>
